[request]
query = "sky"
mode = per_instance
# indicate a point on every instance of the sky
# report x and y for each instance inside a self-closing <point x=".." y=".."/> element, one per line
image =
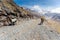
<point x="49" y="5"/>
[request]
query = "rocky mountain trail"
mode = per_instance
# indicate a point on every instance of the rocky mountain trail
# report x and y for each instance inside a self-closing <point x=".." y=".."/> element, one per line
<point x="28" y="30"/>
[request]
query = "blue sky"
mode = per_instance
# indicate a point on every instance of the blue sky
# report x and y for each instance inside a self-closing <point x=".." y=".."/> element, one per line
<point x="40" y="3"/>
<point x="43" y="3"/>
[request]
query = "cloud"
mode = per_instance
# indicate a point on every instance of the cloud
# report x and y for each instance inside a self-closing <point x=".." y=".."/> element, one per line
<point x="36" y="8"/>
<point x="39" y="9"/>
<point x="42" y="10"/>
<point x="56" y="10"/>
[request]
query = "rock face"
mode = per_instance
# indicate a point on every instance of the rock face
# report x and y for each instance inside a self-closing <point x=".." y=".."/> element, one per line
<point x="10" y="12"/>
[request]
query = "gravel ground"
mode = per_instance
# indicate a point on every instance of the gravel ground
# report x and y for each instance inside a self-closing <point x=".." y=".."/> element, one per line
<point x="28" y="30"/>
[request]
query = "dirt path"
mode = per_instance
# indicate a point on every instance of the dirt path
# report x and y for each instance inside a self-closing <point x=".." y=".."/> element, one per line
<point x="28" y="30"/>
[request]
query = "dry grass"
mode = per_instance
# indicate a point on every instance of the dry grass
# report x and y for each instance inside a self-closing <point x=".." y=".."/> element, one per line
<point x="54" y="24"/>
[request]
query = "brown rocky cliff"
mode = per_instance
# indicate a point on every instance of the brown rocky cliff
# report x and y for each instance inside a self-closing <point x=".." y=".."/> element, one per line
<point x="10" y="6"/>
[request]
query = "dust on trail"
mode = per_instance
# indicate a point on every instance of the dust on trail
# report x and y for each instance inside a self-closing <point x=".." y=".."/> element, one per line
<point x="28" y="30"/>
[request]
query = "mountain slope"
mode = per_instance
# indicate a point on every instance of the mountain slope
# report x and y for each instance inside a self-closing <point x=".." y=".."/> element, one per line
<point x="53" y="16"/>
<point x="11" y="12"/>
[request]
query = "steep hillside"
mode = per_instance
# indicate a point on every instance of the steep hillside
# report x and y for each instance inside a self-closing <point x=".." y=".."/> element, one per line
<point x="53" y="24"/>
<point x="10" y="7"/>
<point x="10" y="12"/>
